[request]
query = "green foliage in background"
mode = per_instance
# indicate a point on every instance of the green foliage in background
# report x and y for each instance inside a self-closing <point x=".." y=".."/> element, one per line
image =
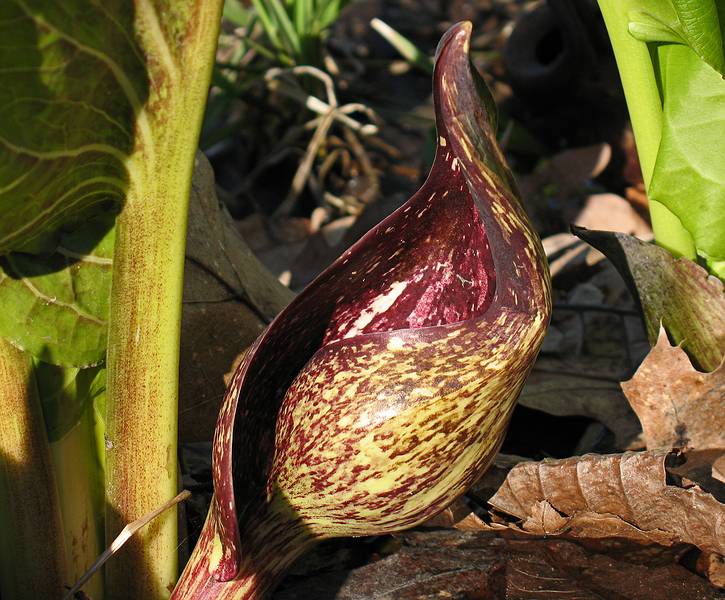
<point x="294" y="30"/>
<point x="671" y="56"/>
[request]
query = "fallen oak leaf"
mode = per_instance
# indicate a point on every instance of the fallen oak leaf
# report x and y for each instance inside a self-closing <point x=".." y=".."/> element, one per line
<point x="215" y="246"/>
<point x="582" y="386"/>
<point x="624" y="496"/>
<point x="718" y="469"/>
<point x="698" y="468"/>
<point x="229" y="298"/>
<point x="676" y="404"/>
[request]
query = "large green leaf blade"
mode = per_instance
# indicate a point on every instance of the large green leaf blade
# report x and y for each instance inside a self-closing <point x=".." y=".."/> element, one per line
<point x="689" y="173"/>
<point x="56" y="307"/>
<point x="64" y="135"/>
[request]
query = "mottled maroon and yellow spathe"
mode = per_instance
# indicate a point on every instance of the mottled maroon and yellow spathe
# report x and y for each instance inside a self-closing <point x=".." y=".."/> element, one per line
<point x="384" y="390"/>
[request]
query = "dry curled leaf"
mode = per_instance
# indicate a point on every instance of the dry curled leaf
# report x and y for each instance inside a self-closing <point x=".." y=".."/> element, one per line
<point x="677" y="405"/>
<point x="214" y="245"/>
<point x="675" y="292"/>
<point x="584" y="386"/>
<point x="611" y="496"/>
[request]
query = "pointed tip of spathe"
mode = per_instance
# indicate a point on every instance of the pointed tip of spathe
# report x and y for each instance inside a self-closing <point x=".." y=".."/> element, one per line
<point x="459" y="33"/>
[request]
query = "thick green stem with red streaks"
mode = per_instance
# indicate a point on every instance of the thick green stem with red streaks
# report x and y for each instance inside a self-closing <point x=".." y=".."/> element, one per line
<point x="144" y="327"/>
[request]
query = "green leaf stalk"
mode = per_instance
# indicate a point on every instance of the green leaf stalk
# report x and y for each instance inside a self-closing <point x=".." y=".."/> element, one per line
<point x="146" y="294"/>
<point x="634" y="61"/>
<point x="33" y="560"/>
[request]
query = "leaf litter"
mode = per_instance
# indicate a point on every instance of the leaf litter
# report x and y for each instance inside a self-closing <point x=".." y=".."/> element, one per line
<point x="676" y="404"/>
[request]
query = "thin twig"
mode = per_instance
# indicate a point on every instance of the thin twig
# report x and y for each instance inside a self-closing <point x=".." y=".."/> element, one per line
<point x="277" y="81"/>
<point x="305" y="167"/>
<point x="329" y="112"/>
<point x="122" y="538"/>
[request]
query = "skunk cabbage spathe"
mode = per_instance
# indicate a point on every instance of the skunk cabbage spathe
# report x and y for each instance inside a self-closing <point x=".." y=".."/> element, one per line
<point x="383" y="391"/>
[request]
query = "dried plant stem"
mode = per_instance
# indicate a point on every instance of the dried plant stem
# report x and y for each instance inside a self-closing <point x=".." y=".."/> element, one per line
<point x="122" y="538"/>
<point x="329" y="112"/>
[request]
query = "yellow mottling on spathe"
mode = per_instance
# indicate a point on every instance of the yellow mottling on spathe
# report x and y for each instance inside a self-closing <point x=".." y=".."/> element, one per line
<point x="395" y="343"/>
<point x="423" y="392"/>
<point x="364" y="420"/>
<point x="476" y="392"/>
<point x="442" y="141"/>
<point x="329" y="394"/>
<point x="217" y="551"/>
<point x="470" y="375"/>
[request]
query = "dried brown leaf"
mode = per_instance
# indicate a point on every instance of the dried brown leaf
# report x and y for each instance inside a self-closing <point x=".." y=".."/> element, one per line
<point x="699" y="468"/>
<point x="718" y="469"/>
<point x="479" y="565"/>
<point x="583" y="386"/>
<point x="677" y="405"/>
<point x="568" y="172"/>
<point x="712" y="566"/>
<point x="214" y="244"/>
<point x="611" y="496"/>
<point x="229" y="298"/>
<point x="457" y="516"/>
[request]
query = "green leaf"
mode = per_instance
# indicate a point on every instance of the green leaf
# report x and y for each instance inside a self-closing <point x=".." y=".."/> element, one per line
<point x="65" y="394"/>
<point x="694" y="23"/>
<point x="56" y="307"/>
<point x="285" y="24"/>
<point x="407" y="49"/>
<point x="676" y="293"/>
<point x="329" y="13"/>
<point x="689" y="172"/>
<point x="65" y="136"/>
<point x="236" y="13"/>
<point x="102" y="104"/>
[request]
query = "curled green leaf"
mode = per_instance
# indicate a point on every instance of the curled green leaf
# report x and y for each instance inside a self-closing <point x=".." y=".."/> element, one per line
<point x="694" y="23"/>
<point x="689" y="177"/>
<point x="674" y="292"/>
